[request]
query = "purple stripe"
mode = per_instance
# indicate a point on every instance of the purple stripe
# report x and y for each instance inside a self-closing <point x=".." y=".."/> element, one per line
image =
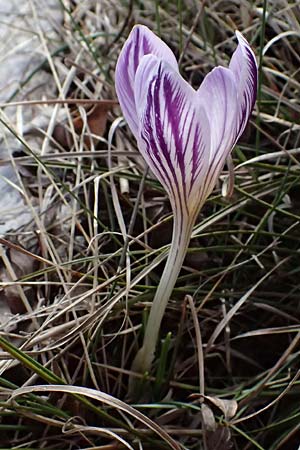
<point x="141" y="48"/>
<point x="154" y="137"/>
<point x="253" y="74"/>
<point x="174" y="105"/>
<point x="128" y="84"/>
<point x="249" y="95"/>
<point x="159" y="129"/>
<point x="172" y="116"/>
<point x="148" y="138"/>
<point x="146" y="46"/>
<point x="136" y="52"/>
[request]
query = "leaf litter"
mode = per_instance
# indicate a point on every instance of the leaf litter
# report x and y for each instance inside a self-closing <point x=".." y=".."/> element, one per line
<point x="74" y="304"/>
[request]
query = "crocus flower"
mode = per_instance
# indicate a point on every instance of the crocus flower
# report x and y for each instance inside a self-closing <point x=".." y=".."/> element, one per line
<point x="184" y="135"/>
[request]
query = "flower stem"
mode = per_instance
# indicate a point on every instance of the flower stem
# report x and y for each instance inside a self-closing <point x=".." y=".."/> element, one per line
<point x="181" y="237"/>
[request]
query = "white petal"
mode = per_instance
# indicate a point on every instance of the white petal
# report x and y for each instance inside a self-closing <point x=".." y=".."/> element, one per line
<point x="218" y="95"/>
<point x="244" y="67"/>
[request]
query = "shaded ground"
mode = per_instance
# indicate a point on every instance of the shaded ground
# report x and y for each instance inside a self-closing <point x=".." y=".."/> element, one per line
<point x="75" y="298"/>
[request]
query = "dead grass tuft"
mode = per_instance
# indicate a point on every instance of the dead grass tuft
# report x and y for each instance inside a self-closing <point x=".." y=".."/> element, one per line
<point x="85" y="229"/>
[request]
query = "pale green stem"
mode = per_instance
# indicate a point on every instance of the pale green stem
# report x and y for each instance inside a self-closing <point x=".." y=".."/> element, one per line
<point x="182" y="230"/>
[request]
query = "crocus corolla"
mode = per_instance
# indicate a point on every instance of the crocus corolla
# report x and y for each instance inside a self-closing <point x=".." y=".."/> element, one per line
<point x="184" y="135"/>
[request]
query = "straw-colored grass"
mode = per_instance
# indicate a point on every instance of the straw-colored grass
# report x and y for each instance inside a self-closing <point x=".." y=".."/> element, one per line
<point x="82" y="257"/>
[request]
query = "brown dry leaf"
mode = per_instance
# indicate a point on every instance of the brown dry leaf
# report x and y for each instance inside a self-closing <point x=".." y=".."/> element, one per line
<point x="228" y="407"/>
<point x="96" y="121"/>
<point x="22" y="263"/>
<point x="15" y="265"/>
<point x="220" y="439"/>
<point x="96" y="118"/>
<point x="217" y="437"/>
<point x="208" y="418"/>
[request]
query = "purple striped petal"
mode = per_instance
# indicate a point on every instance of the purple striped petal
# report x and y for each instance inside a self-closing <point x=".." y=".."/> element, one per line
<point x="228" y="96"/>
<point x="185" y="136"/>
<point x="174" y="134"/>
<point x="218" y="95"/>
<point x="244" y="67"/>
<point x="140" y="42"/>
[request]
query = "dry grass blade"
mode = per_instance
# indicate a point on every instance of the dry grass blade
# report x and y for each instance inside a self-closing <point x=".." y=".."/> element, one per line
<point x="220" y="327"/>
<point x="85" y="230"/>
<point x="104" y="398"/>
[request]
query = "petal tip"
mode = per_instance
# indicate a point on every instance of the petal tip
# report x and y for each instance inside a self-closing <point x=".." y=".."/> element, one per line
<point x="138" y="27"/>
<point x="239" y="35"/>
<point x="245" y="44"/>
<point x="241" y="39"/>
